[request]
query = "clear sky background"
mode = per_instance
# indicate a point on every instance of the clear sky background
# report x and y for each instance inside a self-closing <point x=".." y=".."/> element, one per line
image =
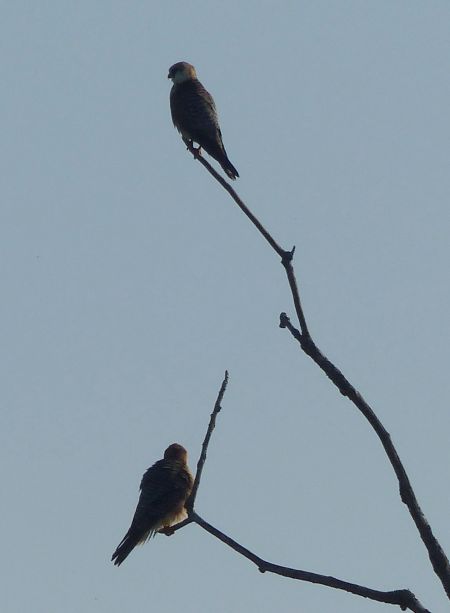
<point x="130" y="282"/>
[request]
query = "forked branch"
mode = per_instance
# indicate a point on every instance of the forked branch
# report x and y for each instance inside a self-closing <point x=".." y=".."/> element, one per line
<point x="405" y="599"/>
<point x="436" y="554"/>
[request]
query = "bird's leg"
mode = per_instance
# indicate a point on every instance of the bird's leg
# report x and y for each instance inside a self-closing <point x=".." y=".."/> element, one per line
<point x="197" y="151"/>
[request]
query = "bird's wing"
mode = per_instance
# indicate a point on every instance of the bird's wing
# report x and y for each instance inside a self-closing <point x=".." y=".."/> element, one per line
<point x="163" y="489"/>
<point x="193" y="111"/>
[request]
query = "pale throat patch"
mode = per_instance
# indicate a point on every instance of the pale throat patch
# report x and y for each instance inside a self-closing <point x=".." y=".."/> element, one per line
<point x="181" y="76"/>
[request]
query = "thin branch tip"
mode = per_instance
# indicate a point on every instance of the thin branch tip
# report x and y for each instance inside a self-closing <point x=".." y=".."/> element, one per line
<point x="284" y="320"/>
<point x="287" y="257"/>
<point x="202" y="459"/>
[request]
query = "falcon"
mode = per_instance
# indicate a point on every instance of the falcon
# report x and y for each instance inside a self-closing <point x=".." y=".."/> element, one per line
<point x="165" y="487"/>
<point x="194" y="115"/>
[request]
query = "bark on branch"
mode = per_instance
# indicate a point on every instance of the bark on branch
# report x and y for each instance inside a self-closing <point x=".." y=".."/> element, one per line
<point x="438" y="558"/>
<point x="404" y="598"/>
<point x="201" y="461"/>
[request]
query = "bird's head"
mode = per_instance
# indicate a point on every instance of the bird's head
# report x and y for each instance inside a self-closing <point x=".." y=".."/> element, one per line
<point x="176" y="452"/>
<point x="181" y="71"/>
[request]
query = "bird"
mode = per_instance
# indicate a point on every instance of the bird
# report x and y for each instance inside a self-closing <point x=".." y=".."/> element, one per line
<point x="194" y="115"/>
<point x="165" y="487"/>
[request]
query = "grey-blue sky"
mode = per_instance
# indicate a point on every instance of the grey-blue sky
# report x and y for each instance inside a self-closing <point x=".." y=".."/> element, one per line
<point x="130" y="282"/>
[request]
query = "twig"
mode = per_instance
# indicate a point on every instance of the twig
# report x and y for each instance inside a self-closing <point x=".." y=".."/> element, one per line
<point x="201" y="461"/>
<point x="200" y="464"/>
<point x="286" y="256"/>
<point x="403" y="598"/>
<point x="436" y="554"/>
<point x="236" y="198"/>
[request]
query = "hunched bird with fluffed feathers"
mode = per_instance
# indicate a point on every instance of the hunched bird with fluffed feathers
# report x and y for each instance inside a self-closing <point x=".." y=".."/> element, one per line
<point x="165" y="487"/>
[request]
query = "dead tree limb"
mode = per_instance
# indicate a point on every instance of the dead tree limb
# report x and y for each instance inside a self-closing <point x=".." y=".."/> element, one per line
<point x="438" y="558"/>
<point x="201" y="461"/>
<point x="404" y="598"/>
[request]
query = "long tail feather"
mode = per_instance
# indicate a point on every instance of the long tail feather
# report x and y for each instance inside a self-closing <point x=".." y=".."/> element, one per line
<point x="125" y="547"/>
<point x="229" y="169"/>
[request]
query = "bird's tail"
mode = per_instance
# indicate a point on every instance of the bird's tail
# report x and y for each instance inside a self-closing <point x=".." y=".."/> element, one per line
<point x="126" y="545"/>
<point x="217" y="151"/>
<point x="229" y="169"/>
<point x="129" y="542"/>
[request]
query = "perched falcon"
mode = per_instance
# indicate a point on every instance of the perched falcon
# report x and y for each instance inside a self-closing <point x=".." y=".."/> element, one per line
<point x="194" y="114"/>
<point x="165" y="488"/>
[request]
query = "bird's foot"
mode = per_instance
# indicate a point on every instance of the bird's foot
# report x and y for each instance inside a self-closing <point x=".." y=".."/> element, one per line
<point x="197" y="152"/>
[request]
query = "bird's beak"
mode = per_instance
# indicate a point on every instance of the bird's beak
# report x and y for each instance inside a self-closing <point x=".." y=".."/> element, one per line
<point x="168" y="76"/>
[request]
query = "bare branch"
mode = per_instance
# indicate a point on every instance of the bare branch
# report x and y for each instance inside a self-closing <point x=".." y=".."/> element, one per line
<point x="403" y="598"/>
<point x="168" y="531"/>
<point x="201" y="461"/>
<point x="236" y="198"/>
<point x="436" y="554"/>
<point x="287" y="263"/>
<point x="286" y="256"/>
